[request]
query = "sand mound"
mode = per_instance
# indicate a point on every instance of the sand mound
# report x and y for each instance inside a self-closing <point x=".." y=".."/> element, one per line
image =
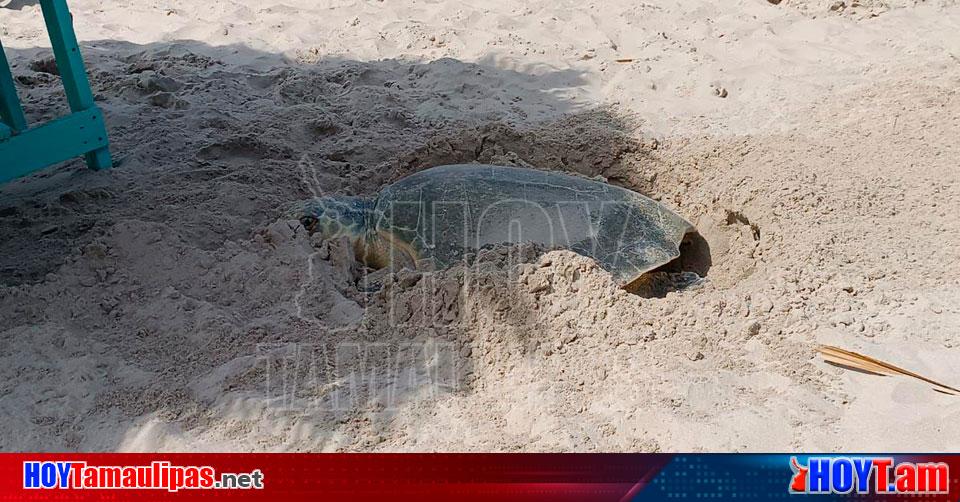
<point x="167" y="304"/>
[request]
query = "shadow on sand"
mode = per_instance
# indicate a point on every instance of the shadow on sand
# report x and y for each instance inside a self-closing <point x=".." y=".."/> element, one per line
<point x="151" y="269"/>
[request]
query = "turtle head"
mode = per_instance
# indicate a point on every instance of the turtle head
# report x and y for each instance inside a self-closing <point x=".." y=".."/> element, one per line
<point x="333" y="217"/>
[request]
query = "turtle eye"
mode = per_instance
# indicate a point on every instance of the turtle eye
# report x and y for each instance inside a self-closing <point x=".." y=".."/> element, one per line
<point x="308" y="222"/>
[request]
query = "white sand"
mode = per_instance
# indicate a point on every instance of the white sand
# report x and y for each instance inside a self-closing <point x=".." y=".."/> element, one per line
<point x="162" y="304"/>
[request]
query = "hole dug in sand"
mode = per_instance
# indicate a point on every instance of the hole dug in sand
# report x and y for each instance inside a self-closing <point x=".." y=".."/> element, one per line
<point x="598" y="144"/>
<point x="687" y="270"/>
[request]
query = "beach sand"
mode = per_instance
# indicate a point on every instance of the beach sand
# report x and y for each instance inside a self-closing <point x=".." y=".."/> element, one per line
<point x="167" y="304"/>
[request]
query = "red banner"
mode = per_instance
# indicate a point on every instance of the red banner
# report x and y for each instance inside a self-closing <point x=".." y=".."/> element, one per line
<point x="291" y="477"/>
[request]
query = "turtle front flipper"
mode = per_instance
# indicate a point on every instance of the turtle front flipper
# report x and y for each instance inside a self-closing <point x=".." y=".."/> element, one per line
<point x="381" y="249"/>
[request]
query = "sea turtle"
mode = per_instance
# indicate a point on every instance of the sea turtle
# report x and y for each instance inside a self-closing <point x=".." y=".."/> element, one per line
<point x="445" y="212"/>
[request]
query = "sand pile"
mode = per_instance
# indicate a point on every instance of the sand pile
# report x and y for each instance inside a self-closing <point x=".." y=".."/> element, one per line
<point x="168" y="304"/>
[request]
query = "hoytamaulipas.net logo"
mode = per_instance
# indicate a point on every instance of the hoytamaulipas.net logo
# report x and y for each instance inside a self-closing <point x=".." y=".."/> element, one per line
<point x="877" y="475"/>
<point x="156" y="476"/>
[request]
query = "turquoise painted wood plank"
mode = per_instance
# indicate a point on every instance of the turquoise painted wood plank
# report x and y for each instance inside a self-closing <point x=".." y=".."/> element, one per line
<point x="83" y="133"/>
<point x="99" y="159"/>
<point x="53" y="142"/>
<point x="10" y="111"/>
<point x="67" y="52"/>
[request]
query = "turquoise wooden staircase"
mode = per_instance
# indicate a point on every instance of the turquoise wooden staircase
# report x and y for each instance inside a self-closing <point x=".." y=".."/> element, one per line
<point x="24" y="149"/>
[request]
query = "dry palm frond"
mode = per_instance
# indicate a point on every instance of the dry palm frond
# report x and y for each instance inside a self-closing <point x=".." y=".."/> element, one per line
<point x="852" y="360"/>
